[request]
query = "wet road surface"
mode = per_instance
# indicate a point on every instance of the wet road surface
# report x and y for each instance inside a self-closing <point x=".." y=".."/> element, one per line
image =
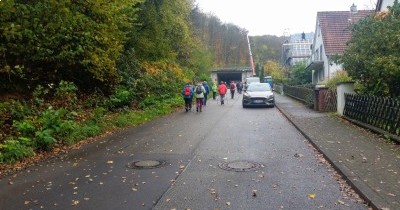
<point x="225" y="157"/>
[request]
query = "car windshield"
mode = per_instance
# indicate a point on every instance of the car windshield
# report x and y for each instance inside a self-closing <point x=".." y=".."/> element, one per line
<point x="252" y="79"/>
<point x="259" y="87"/>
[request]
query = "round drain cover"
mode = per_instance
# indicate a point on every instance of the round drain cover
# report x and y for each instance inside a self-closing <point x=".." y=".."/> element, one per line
<point x="240" y="166"/>
<point x="143" y="164"/>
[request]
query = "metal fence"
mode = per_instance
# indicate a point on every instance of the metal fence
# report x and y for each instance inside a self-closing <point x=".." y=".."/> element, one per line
<point x="383" y="113"/>
<point x="300" y="93"/>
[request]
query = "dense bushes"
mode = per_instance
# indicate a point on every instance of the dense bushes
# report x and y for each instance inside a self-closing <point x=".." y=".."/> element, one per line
<point x="373" y="55"/>
<point x="77" y="68"/>
<point x="47" y="121"/>
<point x="44" y="41"/>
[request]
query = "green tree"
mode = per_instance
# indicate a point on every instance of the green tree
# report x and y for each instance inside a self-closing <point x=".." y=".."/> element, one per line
<point x="274" y="69"/>
<point x="266" y="48"/>
<point x="299" y="74"/>
<point x="373" y="56"/>
<point x="45" y="41"/>
<point x="262" y="73"/>
<point x="163" y="32"/>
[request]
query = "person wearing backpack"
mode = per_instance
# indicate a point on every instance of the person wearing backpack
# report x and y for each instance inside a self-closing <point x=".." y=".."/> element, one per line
<point x="187" y="93"/>
<point x="207" y="88"/>
<point x="199" y="93"/>
<point x="232" y="89"/>
<point x="239" y="87"/>
<point x="222" y="89"/>
<point x="214" y="89"/>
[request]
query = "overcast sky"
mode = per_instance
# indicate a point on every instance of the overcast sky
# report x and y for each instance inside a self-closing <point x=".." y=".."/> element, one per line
<point x="262" y="17"/>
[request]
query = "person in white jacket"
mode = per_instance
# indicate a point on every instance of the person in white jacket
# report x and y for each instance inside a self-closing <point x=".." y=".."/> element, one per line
<point x="199" y="92"/>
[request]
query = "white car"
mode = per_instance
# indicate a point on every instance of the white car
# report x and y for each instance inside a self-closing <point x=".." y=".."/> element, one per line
<point x="258" y="94"/>
<point x="250" y="80"/>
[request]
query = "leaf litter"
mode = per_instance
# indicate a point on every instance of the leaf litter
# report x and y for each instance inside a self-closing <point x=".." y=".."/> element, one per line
<point x="344" y="187"/>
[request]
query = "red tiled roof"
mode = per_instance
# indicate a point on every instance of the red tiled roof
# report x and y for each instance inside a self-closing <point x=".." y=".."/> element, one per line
<point x="335" y="28"/>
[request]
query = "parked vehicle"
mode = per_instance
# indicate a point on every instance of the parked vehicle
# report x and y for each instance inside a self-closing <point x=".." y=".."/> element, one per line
<point x="258" y="95"/>
<point x="250" y="80"/>
<point x="268" y="79"/>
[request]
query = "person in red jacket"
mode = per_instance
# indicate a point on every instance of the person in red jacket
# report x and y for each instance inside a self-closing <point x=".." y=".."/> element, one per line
<point x="222" y="89"/>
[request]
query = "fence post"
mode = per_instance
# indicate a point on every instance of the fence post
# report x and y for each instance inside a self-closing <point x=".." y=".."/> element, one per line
<point x="320" y="93"/>
<point x="342" y="88"/>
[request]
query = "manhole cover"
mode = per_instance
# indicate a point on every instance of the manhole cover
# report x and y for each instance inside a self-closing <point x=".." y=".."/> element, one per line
<point x="240" y="166"/>
<point x="144" y="164"/>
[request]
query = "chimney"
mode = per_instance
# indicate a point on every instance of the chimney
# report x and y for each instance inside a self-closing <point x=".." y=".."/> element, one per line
<point x="353" y="8"/>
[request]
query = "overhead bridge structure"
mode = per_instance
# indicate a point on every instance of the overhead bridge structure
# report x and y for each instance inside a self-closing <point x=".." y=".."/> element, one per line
<point x="231" y="74"/>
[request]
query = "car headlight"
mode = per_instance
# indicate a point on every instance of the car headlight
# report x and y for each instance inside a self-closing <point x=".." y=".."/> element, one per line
<point x="246" y="96"/>
<point x="270" y="97"/>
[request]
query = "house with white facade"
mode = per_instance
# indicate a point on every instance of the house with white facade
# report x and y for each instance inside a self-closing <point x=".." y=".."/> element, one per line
<point x="332" y="32"/>
<point x="382" y="5"/>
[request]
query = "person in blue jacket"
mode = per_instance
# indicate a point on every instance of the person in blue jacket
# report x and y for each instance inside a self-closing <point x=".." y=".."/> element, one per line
<point x="207" y="88"/>
<point x="187" y="93"/>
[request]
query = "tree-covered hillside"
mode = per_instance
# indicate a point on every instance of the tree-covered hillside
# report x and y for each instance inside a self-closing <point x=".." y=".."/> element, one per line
<point x="71" y="69"/>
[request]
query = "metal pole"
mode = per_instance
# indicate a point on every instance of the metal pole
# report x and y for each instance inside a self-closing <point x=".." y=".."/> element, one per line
<point x="251" y="56"/>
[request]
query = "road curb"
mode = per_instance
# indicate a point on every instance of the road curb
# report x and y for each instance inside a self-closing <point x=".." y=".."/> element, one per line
<point x="360" y="187"/>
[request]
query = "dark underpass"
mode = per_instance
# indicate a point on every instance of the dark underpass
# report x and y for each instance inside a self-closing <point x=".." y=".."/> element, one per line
<point x="229" y="76"/>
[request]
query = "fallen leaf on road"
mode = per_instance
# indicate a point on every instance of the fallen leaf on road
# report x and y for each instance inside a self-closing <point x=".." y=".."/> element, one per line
<point x="340" y="202"/>
<point x="298" y="155"/>
<point x="134" y="189"/>
<point x="75" y="202"/>
<point x="254" y="194"/>
<point x="110" y="162"/>
<point x="391" y="194"/>
<point x="312" y="195"/>
<point x="228" y="203"/>
<point x="27" y="202"/>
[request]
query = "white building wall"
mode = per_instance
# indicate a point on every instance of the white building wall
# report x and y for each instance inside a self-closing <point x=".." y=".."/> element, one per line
<point x="329" y="68"/>
<point x="333" y="69"/>
<point x="386" y="3"/>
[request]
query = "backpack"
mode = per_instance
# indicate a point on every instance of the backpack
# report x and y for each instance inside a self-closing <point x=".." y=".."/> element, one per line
<point x="232" y="87"/>
<point x="198" y="89"/>
<point x="187" y="91"/>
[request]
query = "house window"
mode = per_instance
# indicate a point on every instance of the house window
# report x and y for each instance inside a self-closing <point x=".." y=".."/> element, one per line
<point x="317" y="54"/>
<point x="322" y="75"/>
<point x="320" y="55"/>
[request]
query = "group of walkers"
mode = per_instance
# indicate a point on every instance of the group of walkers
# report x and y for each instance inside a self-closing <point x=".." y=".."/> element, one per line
<point x="201" y="91"/>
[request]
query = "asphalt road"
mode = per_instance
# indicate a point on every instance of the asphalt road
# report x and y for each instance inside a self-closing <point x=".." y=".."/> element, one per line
<point x="267" y="164"/>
